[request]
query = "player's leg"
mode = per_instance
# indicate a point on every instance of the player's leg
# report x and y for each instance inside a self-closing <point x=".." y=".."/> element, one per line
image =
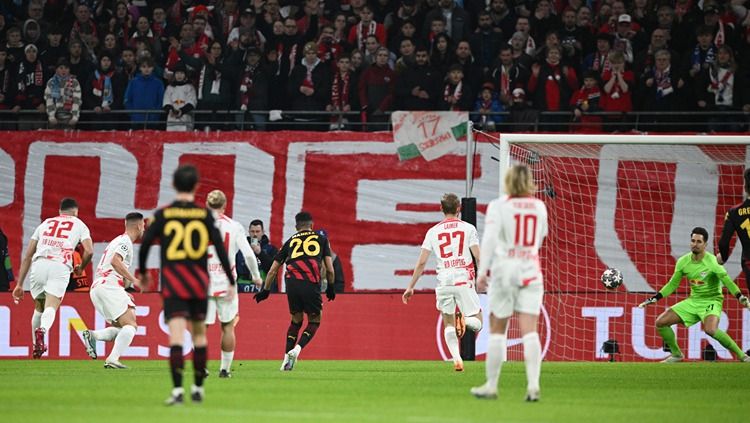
<point x="110" y="305"/>
<point x="445" y="302"/>
<point x="532" y="353"/>
<point x="313" y="308"/>
<point x="711" y="327"/>
<point x="496" y="351"/>
<point x="228" y="311"/>
<point x="200" y="356"/>
<point x="292" y="333"/>
<point x="176" y="312"/>
<point x="124" y="337"/>
<point x="664" y="326"/>
<point x="468" y="302"/>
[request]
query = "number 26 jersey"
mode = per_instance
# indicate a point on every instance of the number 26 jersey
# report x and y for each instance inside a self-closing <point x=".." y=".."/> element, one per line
<point x="303" y="254"/>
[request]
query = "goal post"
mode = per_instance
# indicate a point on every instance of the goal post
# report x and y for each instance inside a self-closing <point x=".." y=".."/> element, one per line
<point x="628" y="202"/>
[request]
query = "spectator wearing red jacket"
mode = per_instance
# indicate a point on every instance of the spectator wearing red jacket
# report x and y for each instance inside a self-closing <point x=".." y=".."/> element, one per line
<point x="376" y="88"/>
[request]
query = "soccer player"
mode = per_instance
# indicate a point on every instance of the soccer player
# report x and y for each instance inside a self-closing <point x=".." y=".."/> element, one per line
<point x="184" y="231"/>
<point x="220" y="300"/>
<point x="706" y="277"/>
<point x="303" y="254"/>
<point x="515" y="227"/>
<point x="49" y="256"/>
<point x="109" y="297"/>
<point x="737" y="220"/>
<point x="453" y="242"/>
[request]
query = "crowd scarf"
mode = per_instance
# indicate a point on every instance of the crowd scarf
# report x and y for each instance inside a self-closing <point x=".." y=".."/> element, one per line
<point x="228" y="21"/>
<point x="340" y="90"/>
<point x="62" y="88"/>
<point x="292" y="58"/>
<point x="504" y="82"/>
<point x="552" y="87"/>
<point x="601" y="63"/>
<point x="663" y="80"/>
<point x="308" y="82"/>
<point x="149" y="37"/>
<point x="362" y="34"/>
<point x="177" y="13"/>
<point x="157" y="28"/>
<point x="530" y="45"/>
<point x="720" y="37"/>
<point x="720" y="85"/>
<point x="710" y="55"/>
<point x="456" y="94"/>
<point x="215" y="76"/>
<point x="102" y="85"/>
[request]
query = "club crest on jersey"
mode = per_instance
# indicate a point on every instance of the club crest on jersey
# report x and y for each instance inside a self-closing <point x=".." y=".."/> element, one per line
<point x="704" y="274"/>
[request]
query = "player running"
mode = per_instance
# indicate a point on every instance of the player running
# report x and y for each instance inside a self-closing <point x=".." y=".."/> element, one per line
<point x="303" y="254"/>
<point x="453" y="242"/>
<point x="184" y="231"/>
<point x="737" y="220"/>
<point x="49" y="256"/>
<point x="706" y="277"/>
<point x="220" y="300"/>
<point x="109" y="297"/>
<point x="515" y="227"/>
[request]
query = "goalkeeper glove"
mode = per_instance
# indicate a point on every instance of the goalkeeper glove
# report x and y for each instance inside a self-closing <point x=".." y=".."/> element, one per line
<point x="330" y="292"/>
<point x="262" y="295"/>
<point x="743" y="300"/>
<point x="648" y="302"/>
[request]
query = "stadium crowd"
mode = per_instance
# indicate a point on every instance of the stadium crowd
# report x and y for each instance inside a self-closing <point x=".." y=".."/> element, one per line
<point x="243" y="63"/>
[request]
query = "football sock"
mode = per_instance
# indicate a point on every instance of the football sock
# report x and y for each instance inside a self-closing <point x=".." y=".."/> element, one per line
<point x="177" y="364"/>
<point x="496" y="350"/>
<point x="667" y="334"/>
<point x="48" y="317"/>
<point x="36" y="322"/>
<point x="106" y="334"/>
<point x="474" y="324"/>
<point x="226" y="360"/>
<point x="532" y="358"/>
<point x="451" y="339"/>
<point x="728" y="343"/>
<point x="200" y="354"/>
<point x="308" y="333"/>
<point x="122" y="342"/>
<point x="291" y="336"/>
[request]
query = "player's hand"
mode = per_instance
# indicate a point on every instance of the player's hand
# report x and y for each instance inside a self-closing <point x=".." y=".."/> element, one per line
<point x="77" y="270"/>
<point x="258" y="282"/>
<point x="231" y="293"/>
<point x="137" y="284"/>
<point x="18" y="293"/>
<point x="407" y="295"/>
<point x="145" y="279"/>
<point x="744" y="301"/>
<point x="482" y="283"/>
<point x="262" y="295"/>
<point x="331" y="292"/>
<point x="719" y="258"/>
<point x="648" y="302"/>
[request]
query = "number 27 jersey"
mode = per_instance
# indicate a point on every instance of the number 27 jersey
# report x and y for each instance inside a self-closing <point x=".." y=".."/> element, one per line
<point x="450" y="241"/>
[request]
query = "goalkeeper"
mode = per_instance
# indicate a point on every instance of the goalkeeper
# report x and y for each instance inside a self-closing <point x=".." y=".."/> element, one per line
<point x="706" y="277"/>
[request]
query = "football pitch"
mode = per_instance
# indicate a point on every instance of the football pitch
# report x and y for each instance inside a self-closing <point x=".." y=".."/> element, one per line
<point x="375" y="391"/>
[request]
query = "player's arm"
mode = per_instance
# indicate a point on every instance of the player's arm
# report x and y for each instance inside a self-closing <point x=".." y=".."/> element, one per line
<point x="218" y="243"/>
<point x="270" y="277"/>
<point x="726" y="235"/>
<point x="330" y="277"/>
<point x="490" y="239"/>
<point x="250" y="260"/>
<point x="418" y="270"/>
<point x="667" y="289"/>
<point x="724" y="277"/>
<point x="24" y="270"/>
<point x="152" y="231"/>
<point x="88" y="253"/>
<point x="122" y="270"/>
<point x="475" y="252"/>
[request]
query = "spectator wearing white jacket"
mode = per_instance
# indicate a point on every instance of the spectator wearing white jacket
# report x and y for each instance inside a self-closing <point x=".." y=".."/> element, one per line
<point x="179" y="101"/>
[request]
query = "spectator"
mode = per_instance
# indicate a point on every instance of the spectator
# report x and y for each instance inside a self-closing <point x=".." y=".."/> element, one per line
<point x="457" y="95"/>
<point x="82" y="23"/>
<point x="32" y="33"/>
<point x="584" y="101"/>
<point x="309" y="85"/>
<point x="617" y="94"/>
<point x="128" y="64"/>
<point x="144" y="33"/>
<point x="408" y="11"/>
<point x="406" y="51"/>
<point x="6" y="269"/>
<point x="104" y="92"/>
<point x="723" y="89"/>
<point x="179" y="101"/>
<point x="598" y="61"/>
<point x="552" y="85"/>
<point x="215" y="87"/>
<point x="486" y="108"/>
<point x="458" y="23"/>
<point x="523" y="117"/>
<point x="472" y="72"/>
<point x="29" y="85"/>
<point x="485" y="43"/>
<point x="503" y="18"/>
<point x="659" y="90"/>
<point x="228" y="14"/>
<point x="376" y="89"/>
<point x="366" y="27"/>
<point x="254" y="90"/>
<point x="518" y="43"/>
<point x="63" y="98"/>
<point x="6" y="85"/>
<point x="264" y="251"/>
<point x="329" y="49"/>
<point x="575" y="41"/>
<point x="644" y="59"/>
<point x="508" y="75"/>
<point x="145" y="92"/>
<point x="14" y="45"/>
<point x="542" y="21"/>
<point x="417" y="87"/>
<point x="442" y="54"/>
<point x="80" y="66"/>
<point x="343" y="90"/>
<point x="338" y="270"/>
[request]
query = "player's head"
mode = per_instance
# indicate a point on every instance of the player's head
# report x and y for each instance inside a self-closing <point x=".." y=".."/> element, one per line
<point x="747" y="181"/>
<point x="450" y="203"/>
<point x="519" y="181"/>
<point x="216" y="200"/>
<point x="134" y="223"/>
<point x="698" y="240"/>
<point x="303" y="220"/>
<point x="69" y="206"/>
<point x="256" y="229"/>
<point x="185" y="178"/>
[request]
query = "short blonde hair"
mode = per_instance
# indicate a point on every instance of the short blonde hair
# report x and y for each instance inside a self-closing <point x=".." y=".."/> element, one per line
<point x="216" y="199"/>
<point x="519" y="181"/>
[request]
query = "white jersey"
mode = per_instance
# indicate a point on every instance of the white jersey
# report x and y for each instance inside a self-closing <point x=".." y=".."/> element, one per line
<point x="105" y="273"/>
<point x="450" y="241"/>
<point x="235" y="240"/>
<point x="514" y="230"/>
<point x="57" y="238"/>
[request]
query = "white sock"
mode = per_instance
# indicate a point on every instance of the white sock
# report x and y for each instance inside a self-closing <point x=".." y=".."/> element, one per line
<point x="449" y="333"/>
<point x="48" y="318"/>
<point x="106" y="334"/>
<point x="532" y="357"/>
<point x="122" y="342"/>
<point x="226" y="360"/>
<point x="474" y="324"/>
<point x="36" y="321"/>
<point x="297" y="349"/>
<point x="496" y="351"/>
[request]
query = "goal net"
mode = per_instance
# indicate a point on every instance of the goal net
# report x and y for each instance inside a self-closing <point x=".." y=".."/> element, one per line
<point x="628" y="202"/>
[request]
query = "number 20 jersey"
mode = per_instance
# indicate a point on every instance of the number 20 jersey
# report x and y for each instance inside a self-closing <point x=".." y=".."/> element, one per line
<point x="450" y="241"/>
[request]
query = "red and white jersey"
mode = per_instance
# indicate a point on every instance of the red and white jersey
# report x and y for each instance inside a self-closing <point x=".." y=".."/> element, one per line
<point x="105" y="273"/>
<point x="514" y="228"/>
<point x="450" y="241"/>
<point x="235" y="239"/>
<point x="57" y="238"/>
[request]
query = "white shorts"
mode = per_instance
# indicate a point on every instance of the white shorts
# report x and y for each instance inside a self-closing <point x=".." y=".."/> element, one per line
<point x="227" y="310"/>
<point x="505" y="299"/>
<point x="463" y="296"/>
<point x="50" y="277"/>
<point x="110" y="301"/>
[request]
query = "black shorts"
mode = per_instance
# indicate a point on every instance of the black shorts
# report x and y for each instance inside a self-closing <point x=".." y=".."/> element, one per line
<point x="193" y="309"/>
<point x="303" y="296"/>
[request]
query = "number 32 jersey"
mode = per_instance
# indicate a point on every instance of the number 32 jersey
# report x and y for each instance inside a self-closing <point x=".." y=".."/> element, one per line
<point x="450" y="241"/>
<point x="57" y="237"/>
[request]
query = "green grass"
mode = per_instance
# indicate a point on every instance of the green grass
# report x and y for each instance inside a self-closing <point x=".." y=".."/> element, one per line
<point x="374" y="391"/>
